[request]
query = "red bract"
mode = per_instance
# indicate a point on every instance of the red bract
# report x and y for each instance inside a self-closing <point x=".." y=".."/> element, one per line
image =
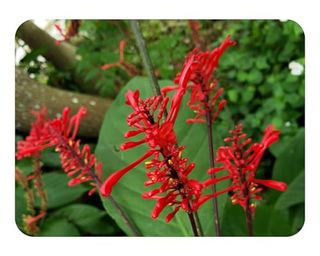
<point x="241" y="160"/>
<point x="167" y="165"/>
<point x="61" y="134"/>
<point x="200" y="67"/>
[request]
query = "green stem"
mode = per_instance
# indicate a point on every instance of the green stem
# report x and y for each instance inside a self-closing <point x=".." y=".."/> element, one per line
<point x="145" y="57"/>
<point x="213" y="176"/>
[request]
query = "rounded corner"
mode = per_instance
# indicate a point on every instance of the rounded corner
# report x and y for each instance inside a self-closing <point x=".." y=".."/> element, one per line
<point x="298" y="25"/>
<point x="19" y="26"/>
<point x="298" y="233"/>
<point x="20" y="229"/>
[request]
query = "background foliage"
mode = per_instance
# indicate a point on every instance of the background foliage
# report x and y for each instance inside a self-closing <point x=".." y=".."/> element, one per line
<point x="259" y="87"/>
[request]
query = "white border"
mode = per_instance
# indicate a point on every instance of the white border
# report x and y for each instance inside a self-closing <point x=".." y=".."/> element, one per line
<point x="13" y="13"/>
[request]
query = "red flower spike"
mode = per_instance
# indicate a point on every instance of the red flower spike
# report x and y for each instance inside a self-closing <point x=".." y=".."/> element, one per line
<point x="36" y="141"/>
<point x="60" y="133"/>
<point x="198" y="69"/>
<point x="241" y="160"/>
<point x="166" y="167"/>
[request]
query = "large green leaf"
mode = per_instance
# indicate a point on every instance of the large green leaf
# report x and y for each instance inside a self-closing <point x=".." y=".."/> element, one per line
<point x="266" y="222"/>
<point x="129" y="189"/>
<point x="293" y="195"/>
<point x="290" y="162"/>
<point x="271" y="222"/>
<point x="58" y="191"/>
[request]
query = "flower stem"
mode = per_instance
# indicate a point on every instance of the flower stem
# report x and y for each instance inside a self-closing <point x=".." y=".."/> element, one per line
<point x="193" y="224"/>
<point x="213" y="176"/>
<point x="249" y="221"/>
<point x="145" y="57"/>
<point x="248" y="211"/>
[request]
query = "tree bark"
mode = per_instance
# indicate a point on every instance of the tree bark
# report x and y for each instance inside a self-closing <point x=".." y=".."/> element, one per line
<point x="30" y="95"/>
<point x="62" y="56"/>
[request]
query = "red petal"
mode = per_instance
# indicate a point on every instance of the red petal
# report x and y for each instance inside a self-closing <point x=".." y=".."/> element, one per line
<point x="108" y="184"/>
<point x="277" y="185"/>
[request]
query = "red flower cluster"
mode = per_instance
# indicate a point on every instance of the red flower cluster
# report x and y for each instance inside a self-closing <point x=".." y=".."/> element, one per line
<point x="204" y="97"/>
<point x="241" y="160"/>
<point x="60" y="133"/>
<point x="36" y="141"/>
<point x="167" y="165"/>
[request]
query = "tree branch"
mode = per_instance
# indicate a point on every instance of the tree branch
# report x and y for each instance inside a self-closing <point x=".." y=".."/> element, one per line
<point x="31" y="95"/>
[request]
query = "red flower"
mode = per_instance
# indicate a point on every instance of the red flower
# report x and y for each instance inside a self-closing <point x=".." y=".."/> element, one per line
<point x="36" y="141"/>
<point x="166" y="165"/>
<point x="200" y="67"/>
<point x="241" y="160"/>
<point x="61" y="134"/>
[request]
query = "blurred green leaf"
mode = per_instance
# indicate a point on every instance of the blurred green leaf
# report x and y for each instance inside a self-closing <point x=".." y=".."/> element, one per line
<point x="255" y="76"/>
<point x="58" y="227"/>
<point x="293" y="195"/>
<point x="50" y="158"/>
<point x="58" y="191"/>
<point x="232" y="95"/>
<point x="25" y="165"/>
<point x="290" y="162"/>
<point x="20" y="206"/>
<point x="88" y="218"/>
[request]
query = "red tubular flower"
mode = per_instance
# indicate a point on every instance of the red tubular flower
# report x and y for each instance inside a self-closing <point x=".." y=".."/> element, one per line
<point x="37" y="140"/>
<point x="121" y="63"/>
<point x="78" y="163"/>
<point x="61" y="133"/>
<point x="200" y="67"/>
<point x="241" y="160"/>
<point x="166" y="166"/>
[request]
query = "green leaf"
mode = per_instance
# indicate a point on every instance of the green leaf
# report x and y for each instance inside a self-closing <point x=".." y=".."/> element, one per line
<point x="20" y="206"/>
<point x="50" y="158"/>
<point x="293" y="195"/>
<point x="234" y="221"/>
<point x="255" y="76"/>
<point x="233" y="95"/>
<point x="58" y="191"/>
<point x="290" y="162"/>
<point x="271" y="222"/>
<point x="88" y="218"/>
<point x="58" y="227"/>
<point x="25" y="165"/>
<point x="128" y="190"/>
